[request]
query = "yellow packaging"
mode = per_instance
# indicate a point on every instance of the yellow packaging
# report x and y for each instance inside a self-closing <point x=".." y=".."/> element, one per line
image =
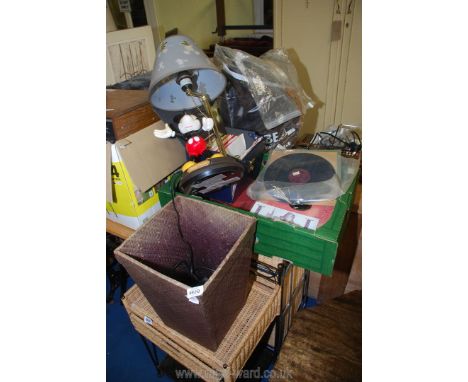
<point x="130" y="206"/>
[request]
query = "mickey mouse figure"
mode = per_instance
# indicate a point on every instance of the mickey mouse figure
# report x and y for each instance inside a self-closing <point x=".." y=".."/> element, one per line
<point x="188" y="126"/>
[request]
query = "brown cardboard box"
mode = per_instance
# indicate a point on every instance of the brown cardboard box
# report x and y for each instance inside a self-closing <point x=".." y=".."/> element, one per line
<point x="149" y="159"/>
<point x="135" y="164"/>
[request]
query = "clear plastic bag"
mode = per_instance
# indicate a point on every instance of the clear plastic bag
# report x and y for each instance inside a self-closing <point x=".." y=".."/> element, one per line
<point x="260" y="95"/>
<point x="343" y="136"/>
<point x="300" y="177"/>
<point x="280" y="58"/>
<point x="283" y="136"/>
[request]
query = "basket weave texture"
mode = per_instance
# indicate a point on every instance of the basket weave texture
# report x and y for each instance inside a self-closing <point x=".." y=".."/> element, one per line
<point x="262" y="305"/>
<point x="222" y="240"/>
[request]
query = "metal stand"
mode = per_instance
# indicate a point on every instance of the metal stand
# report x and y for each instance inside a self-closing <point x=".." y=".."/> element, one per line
<point x="116" y="273"/>
<point x="305" y="289"/>
<point x="280" y="276"/>
<point x="152" y="352"/>
<point x="286" y="306"/>
<point x="206" y="104"/>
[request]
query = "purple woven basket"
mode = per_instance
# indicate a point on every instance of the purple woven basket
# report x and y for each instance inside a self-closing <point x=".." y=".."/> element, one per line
<point x="222" y="240"/>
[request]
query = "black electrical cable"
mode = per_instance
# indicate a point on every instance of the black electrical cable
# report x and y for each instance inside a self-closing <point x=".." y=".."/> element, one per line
<point x="348" y="145"/>
<point x="335" y="137"/>
<point x="313" y="139"/>
<point x="336" y="132"/>
<point x="190" y="264"/>
<point x="356" y="135"/>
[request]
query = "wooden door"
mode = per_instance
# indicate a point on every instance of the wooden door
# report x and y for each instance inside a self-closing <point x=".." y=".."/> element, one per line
<point x="349" y="102"/>
<point x="319" y="36"/>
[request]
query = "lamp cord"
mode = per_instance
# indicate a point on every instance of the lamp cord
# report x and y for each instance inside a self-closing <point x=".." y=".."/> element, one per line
<point x="190" y="264"/>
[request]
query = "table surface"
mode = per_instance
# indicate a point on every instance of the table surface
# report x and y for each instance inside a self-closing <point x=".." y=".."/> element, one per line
<point x="324" y="343"/>
<point x="118" y="230"/>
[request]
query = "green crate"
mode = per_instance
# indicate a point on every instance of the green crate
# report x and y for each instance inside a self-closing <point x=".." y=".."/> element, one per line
<point x="313" y="250"/>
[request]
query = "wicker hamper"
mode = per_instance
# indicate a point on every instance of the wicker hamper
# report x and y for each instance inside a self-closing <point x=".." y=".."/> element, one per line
<point x="222" y="240"/>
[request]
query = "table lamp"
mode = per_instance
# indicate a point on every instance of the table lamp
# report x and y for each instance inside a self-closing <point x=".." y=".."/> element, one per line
<point x="184" y="78"/>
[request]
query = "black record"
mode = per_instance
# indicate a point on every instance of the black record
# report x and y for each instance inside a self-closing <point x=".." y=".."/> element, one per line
<point x="215" y="174"/>
<point x="299" y="168"/>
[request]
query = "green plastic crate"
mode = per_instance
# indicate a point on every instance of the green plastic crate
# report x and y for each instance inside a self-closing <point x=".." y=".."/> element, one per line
<point x="313" y="250"/>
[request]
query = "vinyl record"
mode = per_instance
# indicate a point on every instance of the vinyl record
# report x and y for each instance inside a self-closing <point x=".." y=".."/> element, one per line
<point x="290" y="177"/>
<point x="299" y="168"/>
<point x="211" y="175"/>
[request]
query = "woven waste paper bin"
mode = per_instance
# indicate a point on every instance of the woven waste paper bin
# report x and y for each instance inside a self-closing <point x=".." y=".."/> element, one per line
<point x="222" y="243"/>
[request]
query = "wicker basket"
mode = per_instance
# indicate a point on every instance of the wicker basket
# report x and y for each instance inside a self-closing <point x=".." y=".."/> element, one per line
<point x="261" y="307"/>
<point x="222" y="240"/>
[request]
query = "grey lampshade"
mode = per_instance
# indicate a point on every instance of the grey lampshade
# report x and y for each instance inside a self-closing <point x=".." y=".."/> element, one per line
<point x="178" y="54"/>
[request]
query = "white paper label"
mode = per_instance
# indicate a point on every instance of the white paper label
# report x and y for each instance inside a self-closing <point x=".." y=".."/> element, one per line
<point x="194" y="292"/>
<point x="148" y="320"/>
<point x="286" y="216"/>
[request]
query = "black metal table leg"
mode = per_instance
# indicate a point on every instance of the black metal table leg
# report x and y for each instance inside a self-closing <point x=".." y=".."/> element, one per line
<point x="278" y="336"/>
<point x="152" y="351"/>
<point x="116" y="273"/>
<point x="283" y="270"/>
<point x="123" y="282"/>
<point x="305" y="290"/>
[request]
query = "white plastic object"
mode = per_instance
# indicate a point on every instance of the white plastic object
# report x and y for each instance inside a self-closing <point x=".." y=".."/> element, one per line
<point x="207" y="124"/>
<point x="165" y="133"/>
<point x="189" y="123"/>
<point x="193" y="139"/>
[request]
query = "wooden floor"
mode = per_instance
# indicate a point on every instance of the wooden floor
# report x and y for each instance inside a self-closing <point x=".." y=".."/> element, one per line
<point x="324" y="343"/>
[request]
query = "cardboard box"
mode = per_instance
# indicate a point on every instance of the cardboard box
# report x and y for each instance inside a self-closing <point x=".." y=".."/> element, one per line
<point x="135" y="165"/>
<point x="313" y="250"/>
